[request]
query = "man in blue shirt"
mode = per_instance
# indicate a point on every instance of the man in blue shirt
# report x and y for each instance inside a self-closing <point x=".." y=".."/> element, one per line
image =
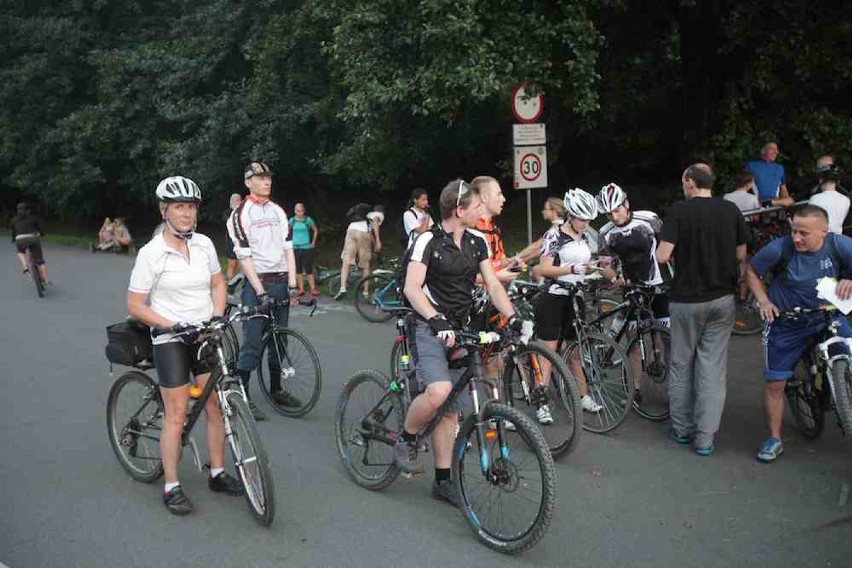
<point x="796" y="261"/>
<point x="769" y="176"/>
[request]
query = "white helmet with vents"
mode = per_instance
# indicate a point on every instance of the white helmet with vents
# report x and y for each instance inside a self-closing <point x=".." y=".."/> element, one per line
<point x="581" y="204"/>
<point x="611" y="197"/>
<point x="178" y="188"/>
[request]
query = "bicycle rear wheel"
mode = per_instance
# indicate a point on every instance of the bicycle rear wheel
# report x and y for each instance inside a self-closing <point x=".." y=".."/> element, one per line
<point x="804" y="402"/>
<point x="561" y="394"/>
<point x="609" y="379"/>
<point x="367" y="420"/>
<point x="134" y="423"/>
<point x="298" y="368"/>
<point x="842" y="383"/>
<point x="36" y="276"/>
<point x="652" y="397"/>
<point x="250" y="459"/>
<point x="381" y="285"/>
<point x="510" y="505"/>
<point x="747" y="320"/>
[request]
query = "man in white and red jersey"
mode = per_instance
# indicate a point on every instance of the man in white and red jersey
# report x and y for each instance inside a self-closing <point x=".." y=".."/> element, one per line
<point x="261" y="235"/>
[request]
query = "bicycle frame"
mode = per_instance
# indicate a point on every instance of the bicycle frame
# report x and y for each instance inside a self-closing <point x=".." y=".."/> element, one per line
<point x="379" y="296"/>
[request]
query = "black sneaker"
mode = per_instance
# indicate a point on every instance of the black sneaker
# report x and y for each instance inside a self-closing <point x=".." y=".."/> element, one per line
<point x="225" y="483"/>
<point x="446" y="491"/>
<point x="637" y="398"/>
<point x="405" y="457"/>
<point x="177" y="502"/>
<point x="284" y="398"/>
<point x="339" y="296"/>
<point x="256" y="413"/>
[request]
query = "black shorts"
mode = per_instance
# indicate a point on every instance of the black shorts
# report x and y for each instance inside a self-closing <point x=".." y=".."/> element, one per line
<point x="34" y="244"/>
<point x="554" y="317"/>
<point x="304" y="260"/>
<point x="175" y="361"/>
<point x="660" y="305"/>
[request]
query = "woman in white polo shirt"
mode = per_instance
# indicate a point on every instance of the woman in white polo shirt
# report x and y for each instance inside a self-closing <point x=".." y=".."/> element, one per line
<point x="177" y="278"/>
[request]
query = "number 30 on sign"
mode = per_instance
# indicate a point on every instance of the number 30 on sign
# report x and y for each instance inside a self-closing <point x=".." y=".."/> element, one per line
<point x="530" y="167"/>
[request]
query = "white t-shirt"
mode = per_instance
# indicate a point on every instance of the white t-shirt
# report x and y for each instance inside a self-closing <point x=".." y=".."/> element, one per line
<point x="836" y="205"/>
<point x="745" y="200"/>
<point x="178" y="290"/>
<point x="363" y="226"/>
<point x="262" y="234"/>
<point x="411" y="219"/>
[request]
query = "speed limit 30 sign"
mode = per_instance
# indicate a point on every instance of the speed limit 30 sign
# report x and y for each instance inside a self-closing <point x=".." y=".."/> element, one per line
<point x="530" y="167"/>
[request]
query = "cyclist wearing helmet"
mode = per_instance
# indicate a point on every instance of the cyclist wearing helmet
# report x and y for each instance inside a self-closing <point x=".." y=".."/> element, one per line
<point x="261" y="234"/>
<point x="632" y="239"/>
<point x="829" y="198"/>
<point x="26" y="232"/>
<point x="566" y="260"/>
<point x="177" y="278"/>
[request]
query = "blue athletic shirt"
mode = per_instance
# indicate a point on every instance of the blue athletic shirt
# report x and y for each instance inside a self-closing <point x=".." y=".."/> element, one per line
<point x="768" y="176"/>
<point x="798" y="289"/>
<point x="301" y="232"/>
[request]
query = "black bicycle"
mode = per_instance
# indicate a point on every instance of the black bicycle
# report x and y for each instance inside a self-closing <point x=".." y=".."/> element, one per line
<point x="505" y="477"/>
<point x="630" y="322"/>
<point x="135" y="419"/>
<point x="822" y="379"/>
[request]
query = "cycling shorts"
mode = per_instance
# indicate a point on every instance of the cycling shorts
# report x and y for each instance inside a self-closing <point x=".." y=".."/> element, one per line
<point x="430" y="361"/>
<point x="175" y="360"/>
<point x="554" y="317"/>
<point x="785" y="342"/>
<point x="34" y="244"/>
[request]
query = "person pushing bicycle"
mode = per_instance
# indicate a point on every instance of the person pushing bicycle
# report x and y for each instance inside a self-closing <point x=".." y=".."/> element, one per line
<point x="440" y="277"/>
<point x="177" y="279"/>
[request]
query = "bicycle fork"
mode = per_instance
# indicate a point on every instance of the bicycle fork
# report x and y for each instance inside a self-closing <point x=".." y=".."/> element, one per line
<point x="485" y="434"/>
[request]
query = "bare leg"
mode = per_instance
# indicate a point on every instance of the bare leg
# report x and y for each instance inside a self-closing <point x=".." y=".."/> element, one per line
<point x="42" y="271"/>
<point x="175" y="402"/>
<point x="773" y="404"/>
<point x="300" y="281"/>
<point x="312" y="282"/>
<point x="442" y="440"/>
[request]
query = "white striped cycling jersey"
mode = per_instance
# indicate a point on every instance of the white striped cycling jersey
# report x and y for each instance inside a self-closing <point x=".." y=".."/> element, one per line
<point x="260" y="231"/>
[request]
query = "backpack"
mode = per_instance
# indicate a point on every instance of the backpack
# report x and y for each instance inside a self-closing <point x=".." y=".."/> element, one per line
<point x="406" y="258"/>
<point x="405" y="235"/>
<point x="788" y="248"/>
<point x="358" y="212"/>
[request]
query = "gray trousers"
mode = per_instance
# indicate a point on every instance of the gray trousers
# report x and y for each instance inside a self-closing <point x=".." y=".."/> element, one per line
<point x="698" y="367"/>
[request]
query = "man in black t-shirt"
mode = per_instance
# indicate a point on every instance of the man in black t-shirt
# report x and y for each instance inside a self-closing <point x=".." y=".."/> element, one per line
<point x="707" y="239"/>
<point x="444" y="263"/>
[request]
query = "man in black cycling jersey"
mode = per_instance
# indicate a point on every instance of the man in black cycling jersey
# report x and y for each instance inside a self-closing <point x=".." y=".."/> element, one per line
<point x="632" y="239"/>
<point x="26" y="232"/>
<point x="444" y="263"/>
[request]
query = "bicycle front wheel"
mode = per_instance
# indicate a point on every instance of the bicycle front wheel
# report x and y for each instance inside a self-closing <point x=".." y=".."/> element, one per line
<point x="842" y="379"/>
<point x="506" y="479"/>
<point x="558" y="393"/>
<point x="289" y="364"/>
<point x="609" y="379"/>
<point x="134" y="423"/>
<point x="231" y="347"/>
<point x="367" y="420"/>
<point x="250" y="459"/>
<point x="651" y="349"/>
<point x="380" y="291"/>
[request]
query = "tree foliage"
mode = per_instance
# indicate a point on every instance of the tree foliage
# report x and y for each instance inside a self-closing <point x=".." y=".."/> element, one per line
<point x="101" y="98"/>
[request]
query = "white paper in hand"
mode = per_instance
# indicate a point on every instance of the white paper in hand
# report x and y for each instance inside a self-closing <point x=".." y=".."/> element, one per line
<point x="827" y="290"/>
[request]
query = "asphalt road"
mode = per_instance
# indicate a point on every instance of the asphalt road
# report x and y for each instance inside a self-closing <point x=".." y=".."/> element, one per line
<point x="631" y="498"/>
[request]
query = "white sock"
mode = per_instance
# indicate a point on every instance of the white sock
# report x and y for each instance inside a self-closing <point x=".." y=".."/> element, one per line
<point x="215" y="471"/>
<point x="170" y="486"/>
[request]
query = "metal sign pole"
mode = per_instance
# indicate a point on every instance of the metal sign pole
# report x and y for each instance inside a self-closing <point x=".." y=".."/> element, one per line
<point x="529" y="217"/>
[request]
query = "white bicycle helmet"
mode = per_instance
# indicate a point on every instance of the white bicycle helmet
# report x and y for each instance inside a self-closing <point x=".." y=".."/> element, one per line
<point x="178" y="188"/>
<point x="581" y="204"/>
<point x="610" y="198"/>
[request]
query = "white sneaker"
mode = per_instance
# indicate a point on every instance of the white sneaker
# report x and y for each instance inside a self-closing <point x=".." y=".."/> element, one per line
<point x="544" y="416"/>
<point x="589" y="404"/>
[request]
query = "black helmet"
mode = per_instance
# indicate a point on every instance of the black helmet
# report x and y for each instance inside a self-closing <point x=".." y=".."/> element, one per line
<point x="829" y="171"/>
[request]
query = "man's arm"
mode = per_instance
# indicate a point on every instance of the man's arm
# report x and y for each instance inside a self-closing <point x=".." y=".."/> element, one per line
<point x="495" y="289"/>
<point x="376" y="228"/>
<point x="665" y="250"/>
<point x="219" y="293"/>
<point x="415" y="276"/>
<point x="242" y="251"/>
<point x="768" y="311"/>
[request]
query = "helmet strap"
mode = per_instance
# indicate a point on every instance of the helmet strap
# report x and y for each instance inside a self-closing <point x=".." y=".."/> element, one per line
<point x="179" y="234"/>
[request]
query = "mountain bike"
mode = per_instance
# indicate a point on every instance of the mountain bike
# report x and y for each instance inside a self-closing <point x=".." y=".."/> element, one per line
<point x="135" y="418"/>
<point x="604" y="364"/>
<point x="631" y="322"/>
<point x="378" y="294"/>
<point x="506" y="478"/>
<point x="823" y="378"/>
